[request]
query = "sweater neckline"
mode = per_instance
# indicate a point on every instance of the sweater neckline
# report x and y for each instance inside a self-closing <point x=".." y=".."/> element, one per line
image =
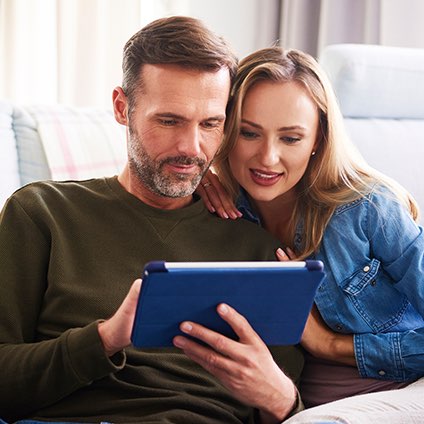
<point x="195" y="208"/>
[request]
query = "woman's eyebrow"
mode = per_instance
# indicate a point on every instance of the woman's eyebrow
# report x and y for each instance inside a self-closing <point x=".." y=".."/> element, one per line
<point x="286" y="128"/>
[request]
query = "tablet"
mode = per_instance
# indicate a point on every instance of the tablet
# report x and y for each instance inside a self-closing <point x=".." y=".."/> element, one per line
<point x="275" y="297"/>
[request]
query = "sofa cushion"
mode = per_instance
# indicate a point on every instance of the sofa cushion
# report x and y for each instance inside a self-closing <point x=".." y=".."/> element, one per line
<point x="376" y="81"/>
<point x="394" y="147"/>
<point x="33" y="164"/>
<point x="9" y="170"/>
<point x="75" y="143"/>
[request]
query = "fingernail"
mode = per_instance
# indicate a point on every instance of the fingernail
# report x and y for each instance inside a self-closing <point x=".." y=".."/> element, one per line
<point x="186" y="327"/>
<point x="225" y="215"/>
<point x="223" y="309"/>
<point x="280" y="252"/>
<point x="179" y="342"/>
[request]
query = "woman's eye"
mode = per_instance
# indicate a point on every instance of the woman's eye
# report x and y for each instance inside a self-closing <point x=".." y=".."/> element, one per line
<point x="248" y="134"/>
<point x="290" y="140"/>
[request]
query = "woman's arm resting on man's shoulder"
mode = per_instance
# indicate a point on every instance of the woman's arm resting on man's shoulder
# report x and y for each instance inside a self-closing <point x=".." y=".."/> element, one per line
<point x="216" y="197"/>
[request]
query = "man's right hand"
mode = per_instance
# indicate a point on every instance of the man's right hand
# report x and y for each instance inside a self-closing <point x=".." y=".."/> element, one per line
<point x="245" y="367"/>
<point x="115" y="332"/>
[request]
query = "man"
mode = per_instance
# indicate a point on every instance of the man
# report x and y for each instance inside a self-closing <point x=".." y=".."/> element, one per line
<point x="69" y="251"/>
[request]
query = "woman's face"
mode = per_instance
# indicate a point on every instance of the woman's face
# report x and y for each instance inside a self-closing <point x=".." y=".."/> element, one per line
<point x="278" y="133"/>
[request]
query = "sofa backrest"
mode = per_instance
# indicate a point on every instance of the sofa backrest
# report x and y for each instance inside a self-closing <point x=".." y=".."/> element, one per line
<point x="380" y="90"/>
<point x="9" y="168"/>
<point x="57" y="142"/>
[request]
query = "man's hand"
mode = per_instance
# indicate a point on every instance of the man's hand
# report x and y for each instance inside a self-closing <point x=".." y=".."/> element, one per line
<point x="322" y="342"/>
<point x="116" y="331"/>
<point x="245" y="367"/>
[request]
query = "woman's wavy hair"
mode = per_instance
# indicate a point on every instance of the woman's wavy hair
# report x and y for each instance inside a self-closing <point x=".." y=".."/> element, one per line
<point x="336" y="174"/>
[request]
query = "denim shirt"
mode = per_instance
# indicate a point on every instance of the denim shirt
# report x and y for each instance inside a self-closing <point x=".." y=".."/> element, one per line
<point x="373" y="255"/>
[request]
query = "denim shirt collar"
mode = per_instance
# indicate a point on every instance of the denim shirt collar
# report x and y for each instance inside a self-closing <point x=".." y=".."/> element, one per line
<point x="245" y="207"/>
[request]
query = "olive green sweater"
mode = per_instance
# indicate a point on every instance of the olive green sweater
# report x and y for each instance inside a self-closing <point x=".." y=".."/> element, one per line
<point x="68" y="254"/>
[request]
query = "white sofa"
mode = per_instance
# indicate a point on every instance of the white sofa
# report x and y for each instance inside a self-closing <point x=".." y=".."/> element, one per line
<point x="57" y="142"/>
<point x="381" y="95"/>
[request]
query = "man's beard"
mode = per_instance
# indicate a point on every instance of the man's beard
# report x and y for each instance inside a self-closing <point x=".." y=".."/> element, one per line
<point x="152" y="175"/>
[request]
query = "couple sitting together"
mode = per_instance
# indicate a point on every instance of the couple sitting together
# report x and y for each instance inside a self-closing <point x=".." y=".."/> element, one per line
<point x="286" y="184"/>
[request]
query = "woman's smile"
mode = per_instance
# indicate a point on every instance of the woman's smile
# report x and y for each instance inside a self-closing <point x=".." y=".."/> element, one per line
<point x="265" y="178"/>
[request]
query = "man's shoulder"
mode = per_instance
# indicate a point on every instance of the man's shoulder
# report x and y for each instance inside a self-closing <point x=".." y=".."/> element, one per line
<point x="48" y="196"/>
<point x="59" y="189"/>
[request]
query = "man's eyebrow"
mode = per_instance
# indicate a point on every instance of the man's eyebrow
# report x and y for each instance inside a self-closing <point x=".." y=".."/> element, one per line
<point x="288" y="128"/>
<point x="219" y="118"/>
<point x="169" y="115"/>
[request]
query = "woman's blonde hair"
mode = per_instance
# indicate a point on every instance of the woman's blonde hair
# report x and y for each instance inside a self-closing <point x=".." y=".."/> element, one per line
<point x="336" y="174"/>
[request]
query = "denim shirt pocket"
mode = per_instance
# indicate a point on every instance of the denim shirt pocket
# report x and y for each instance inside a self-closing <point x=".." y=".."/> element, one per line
<point x="374" y="297"/>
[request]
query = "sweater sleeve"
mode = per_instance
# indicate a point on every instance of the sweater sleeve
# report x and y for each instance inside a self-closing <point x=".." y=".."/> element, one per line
<point x="37" y="372"/>
<point x="398" y="243"/>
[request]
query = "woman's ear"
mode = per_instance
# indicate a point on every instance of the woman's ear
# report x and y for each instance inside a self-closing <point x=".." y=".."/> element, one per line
<point x="316" y="145"/>
<point x="314" y="149"/>
<point x="120" y="106"/>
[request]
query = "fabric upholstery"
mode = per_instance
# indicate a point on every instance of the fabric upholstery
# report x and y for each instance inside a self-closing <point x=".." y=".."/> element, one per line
<point x="381" y="94"/>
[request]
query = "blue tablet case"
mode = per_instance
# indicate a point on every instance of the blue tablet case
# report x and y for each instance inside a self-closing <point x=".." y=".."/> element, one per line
<point x="275" y="297"/>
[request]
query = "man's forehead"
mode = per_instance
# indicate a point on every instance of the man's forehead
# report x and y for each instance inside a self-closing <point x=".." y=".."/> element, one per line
<point x="172" y="73"/>
<point x="175" y="89"/>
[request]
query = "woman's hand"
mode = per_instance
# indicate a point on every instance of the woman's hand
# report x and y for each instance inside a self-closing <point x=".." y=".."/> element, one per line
<point x="284" y="256"/>
<point x="216" y="197"/>
<point x="322" y="342"/>
<point x="245" y="367"/>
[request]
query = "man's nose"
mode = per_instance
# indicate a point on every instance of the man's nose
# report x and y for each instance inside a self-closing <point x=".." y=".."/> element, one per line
<point x="189" y="142"/>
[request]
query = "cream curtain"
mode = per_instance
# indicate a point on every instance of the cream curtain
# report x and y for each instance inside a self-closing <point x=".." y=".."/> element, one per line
<point x="69" y="51"/>
<point x="310" y="25"/>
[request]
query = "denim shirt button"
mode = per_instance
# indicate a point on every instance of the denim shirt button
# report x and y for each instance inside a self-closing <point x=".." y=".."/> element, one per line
<point x="366" y="268"/>
<point x="338" y="327"/>
<point x="382" y="372"/>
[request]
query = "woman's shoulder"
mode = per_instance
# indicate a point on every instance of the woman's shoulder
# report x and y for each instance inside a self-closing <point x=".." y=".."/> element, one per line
<point x="378" y="195"/>
<point x="379" y="207"/>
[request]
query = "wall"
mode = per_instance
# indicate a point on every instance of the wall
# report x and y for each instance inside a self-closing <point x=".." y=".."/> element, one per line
<point x="247" y="24"/>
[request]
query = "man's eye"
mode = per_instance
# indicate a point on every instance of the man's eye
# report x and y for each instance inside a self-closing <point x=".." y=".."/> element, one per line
<point x="211" y="124"/>
<point x="248" y="134"/>
<point x="168" y="122"/>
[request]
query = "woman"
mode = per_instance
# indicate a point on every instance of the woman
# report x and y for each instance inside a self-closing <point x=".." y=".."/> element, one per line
<point x="287" y="161"/>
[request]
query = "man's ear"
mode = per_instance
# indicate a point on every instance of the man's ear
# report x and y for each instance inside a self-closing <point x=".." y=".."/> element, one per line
<point x="120" y="106"/>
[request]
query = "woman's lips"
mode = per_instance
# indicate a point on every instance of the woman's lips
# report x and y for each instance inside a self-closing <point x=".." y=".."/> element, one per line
<point x="265" y="178"/>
